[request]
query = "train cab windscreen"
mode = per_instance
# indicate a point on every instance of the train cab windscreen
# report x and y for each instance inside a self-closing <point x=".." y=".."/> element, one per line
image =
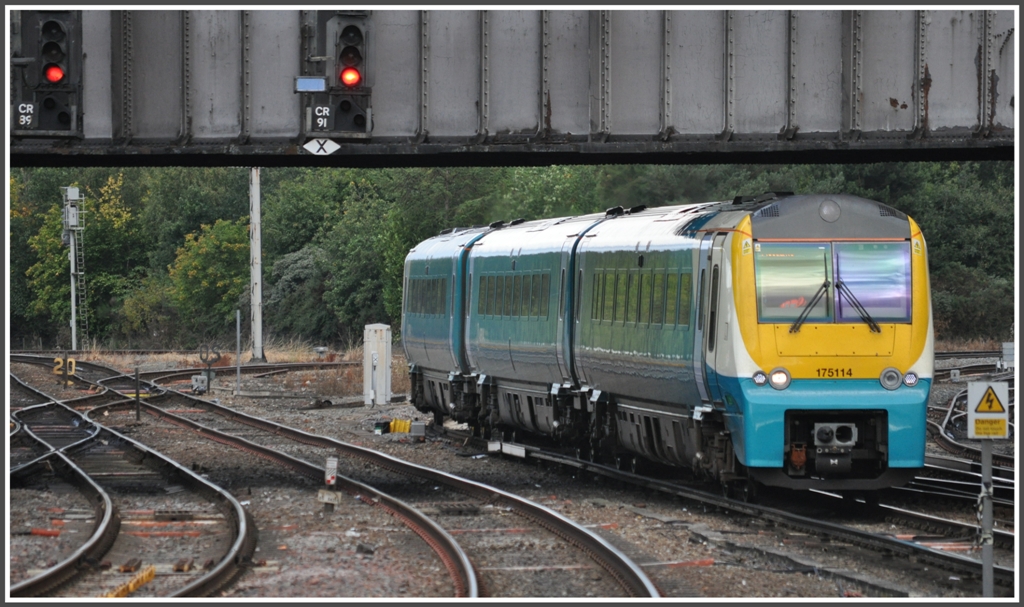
<point x="790" y="278"/>
<point x="878" y="275"/>
<point x="832" y="282"/>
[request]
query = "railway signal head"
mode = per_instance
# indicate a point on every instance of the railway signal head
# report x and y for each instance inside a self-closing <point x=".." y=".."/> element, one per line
<point x="47" y="63"/>
<point x="351" y="50"/>
<point x="53" y="36"/>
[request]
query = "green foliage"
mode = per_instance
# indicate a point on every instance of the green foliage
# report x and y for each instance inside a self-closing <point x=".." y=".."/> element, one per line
<point x="301" y="210"/>
<point x="210" y="273"/>
<point x="968" y="303"/>
<point x="149" y="316"/>
<point x="294" y="305"/>
<point x="180" y="200"/>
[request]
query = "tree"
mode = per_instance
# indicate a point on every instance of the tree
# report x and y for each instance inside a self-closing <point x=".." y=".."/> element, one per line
<point x="181" y="199"/>
<point x="294" y="305"/>
<point x="210" y="274"/>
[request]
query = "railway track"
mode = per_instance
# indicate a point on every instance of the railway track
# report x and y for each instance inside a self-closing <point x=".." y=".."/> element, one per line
<point x="140" y="498"/>
<point x="915" y="553"/>
<point x="474" y="512"/>
<point x="468" y="501"/>
<point x="166" y="501"/>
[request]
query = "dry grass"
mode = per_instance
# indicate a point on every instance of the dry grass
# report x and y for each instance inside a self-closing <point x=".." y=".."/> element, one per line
<point x="966" y="345"/>
<point x="340" y="381"/>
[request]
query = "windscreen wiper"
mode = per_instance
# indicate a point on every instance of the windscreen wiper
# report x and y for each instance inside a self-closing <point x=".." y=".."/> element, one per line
<point x="795" y="327"/>
<point x="845" y="290"/>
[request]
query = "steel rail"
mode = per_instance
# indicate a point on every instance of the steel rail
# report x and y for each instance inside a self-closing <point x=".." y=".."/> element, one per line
<point x="228" y="568"/>
<point x="104" y="533"/>
<point x="956" y="448"/>
<point x="448" y="550"/>
<point x="629" y="575"/>
<point x="952" y="562"/>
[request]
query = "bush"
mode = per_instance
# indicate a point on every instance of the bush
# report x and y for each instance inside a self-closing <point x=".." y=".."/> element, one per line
<point x="968" y="303"/>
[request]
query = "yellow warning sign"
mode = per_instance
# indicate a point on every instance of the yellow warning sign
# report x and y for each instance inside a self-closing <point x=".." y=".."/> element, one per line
<point x="992" y="426"/>
<point x="990" y="403"/>
<point x="746" y="246"/>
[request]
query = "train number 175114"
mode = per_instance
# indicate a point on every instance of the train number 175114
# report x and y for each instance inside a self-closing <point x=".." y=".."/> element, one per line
<point x="834" y="372"/>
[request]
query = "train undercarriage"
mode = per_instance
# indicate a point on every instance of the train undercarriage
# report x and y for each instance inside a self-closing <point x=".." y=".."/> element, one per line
<point x="596" y="428"/>
<point x="823" y="449"/>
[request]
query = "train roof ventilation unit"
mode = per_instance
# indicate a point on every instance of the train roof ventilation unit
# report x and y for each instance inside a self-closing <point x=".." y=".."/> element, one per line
<point x="613" y="212"/>
<point x="886" y="211"/>
<point x="771" y="210"/>
<point x="516" y="222"/>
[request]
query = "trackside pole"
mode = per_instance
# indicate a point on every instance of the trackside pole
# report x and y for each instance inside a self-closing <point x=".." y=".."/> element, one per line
<point x="238" y="352"/>
<point x="255" y="265"/>
<point x="986" y="518"/>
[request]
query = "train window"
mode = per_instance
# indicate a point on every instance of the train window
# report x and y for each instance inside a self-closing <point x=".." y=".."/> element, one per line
<point x="671" y="298"/>
<point x="619" y="306"/>
<point x="712" y="309"/>
<point x="499" y="296"/>
<point x="877" y="274"/>
<point x="517" y="294"/>
<point x="540" y="297"/>
<point x="481" y="304"/>
<point x="545" y="290"/>
<point x="633" y="298"/>
<point x="535" y="296"/>
<point x="685" y="295"/>
<point x="579" y="289"/>
<point x="645" y="298"/>
<point x="595" y="309"/>
<point x="526" y="308"/>
<point x="561" y="296"/>
<point x="658" y="299"/>
<point x="609" y="296"/>
<point x="788" y="276"/>
<point x="489" y="306"/>
<point x="507" y="311"/>
<point x="700" y="303"/>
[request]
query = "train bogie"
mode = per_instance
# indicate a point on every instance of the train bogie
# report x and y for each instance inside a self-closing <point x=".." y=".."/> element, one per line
<point x="784" y="340"/>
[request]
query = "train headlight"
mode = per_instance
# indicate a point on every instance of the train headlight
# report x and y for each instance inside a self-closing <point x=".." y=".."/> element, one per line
<point x="760" y="378"/>
<point x="890" y="378"/>
<point x="910" y="379"/>
<point x="779" y="378"/>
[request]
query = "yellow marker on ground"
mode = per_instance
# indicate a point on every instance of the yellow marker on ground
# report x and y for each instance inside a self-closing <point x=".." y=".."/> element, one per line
<point x="141" y="579"/>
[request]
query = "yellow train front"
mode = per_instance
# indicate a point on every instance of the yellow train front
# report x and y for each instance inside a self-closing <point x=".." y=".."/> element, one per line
<point x="828" y="386"/>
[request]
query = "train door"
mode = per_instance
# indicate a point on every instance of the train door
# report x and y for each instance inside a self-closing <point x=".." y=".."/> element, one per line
<point x="701" y="271"/>
<point x="563" y="343"/>
<point x="712" y="335"/>
<point x="708" y="275"/>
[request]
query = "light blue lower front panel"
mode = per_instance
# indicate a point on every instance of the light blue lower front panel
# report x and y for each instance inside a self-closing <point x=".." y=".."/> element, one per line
<point x="755" y="415"/>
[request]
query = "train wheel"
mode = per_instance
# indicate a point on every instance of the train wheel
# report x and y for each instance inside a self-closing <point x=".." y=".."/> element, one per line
<point x="635" y="465"/>
<point x="582" y="454"/>
<point x="621" y="461"/>
<point x="747" y="491"/>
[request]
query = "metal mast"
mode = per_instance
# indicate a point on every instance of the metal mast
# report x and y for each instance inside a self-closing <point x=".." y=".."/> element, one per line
<point x="74" y="223"/>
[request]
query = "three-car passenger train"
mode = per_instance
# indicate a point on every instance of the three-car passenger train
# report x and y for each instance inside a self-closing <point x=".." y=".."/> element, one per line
<point x="783" y="340"/>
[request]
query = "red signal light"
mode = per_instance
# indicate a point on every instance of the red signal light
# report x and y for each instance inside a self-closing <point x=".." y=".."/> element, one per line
<point x="53" y="73"/>
<point x="350" y="76"/>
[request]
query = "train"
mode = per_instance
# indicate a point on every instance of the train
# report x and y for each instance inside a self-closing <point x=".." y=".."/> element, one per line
<point x="779" y="340"/>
